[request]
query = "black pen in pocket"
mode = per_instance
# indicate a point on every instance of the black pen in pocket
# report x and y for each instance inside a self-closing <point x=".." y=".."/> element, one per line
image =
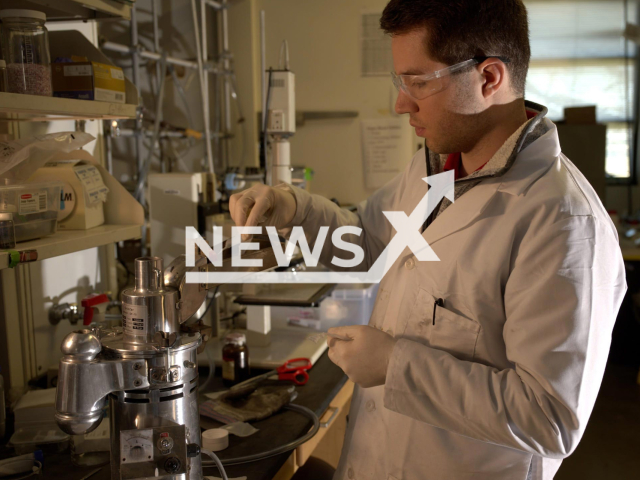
<point x="438" y="303"/>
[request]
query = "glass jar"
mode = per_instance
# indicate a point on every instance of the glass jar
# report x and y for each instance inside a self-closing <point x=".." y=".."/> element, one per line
<point x="25" y="49"/>
<point x="235" y="359"/>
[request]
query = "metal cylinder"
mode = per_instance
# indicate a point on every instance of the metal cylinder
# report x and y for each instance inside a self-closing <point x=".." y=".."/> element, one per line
<point x="140" y="419"/>
<point x="149" y="307"/>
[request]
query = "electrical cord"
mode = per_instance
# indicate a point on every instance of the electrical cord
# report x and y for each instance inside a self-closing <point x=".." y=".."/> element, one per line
<point x="264" y="128"/>
<point x="36" y="469"/>
<point x="207" y="349"/>
<point x="217" y="462"/>
<point x="282" y="449"/>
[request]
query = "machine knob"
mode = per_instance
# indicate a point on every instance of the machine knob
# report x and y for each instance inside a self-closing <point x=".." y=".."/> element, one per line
<point x="172" y="465"/>
<point x="193" y="450"/>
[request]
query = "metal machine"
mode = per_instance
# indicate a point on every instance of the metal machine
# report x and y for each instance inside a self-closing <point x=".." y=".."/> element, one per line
<point x="147" y="369"/>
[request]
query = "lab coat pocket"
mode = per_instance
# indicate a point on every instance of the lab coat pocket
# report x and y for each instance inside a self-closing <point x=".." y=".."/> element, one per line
<point x="454" y="333"/>
<point x="442" y="328"/>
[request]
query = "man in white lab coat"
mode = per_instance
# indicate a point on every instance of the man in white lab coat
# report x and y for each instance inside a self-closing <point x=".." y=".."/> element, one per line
<point x="486" y="364"/>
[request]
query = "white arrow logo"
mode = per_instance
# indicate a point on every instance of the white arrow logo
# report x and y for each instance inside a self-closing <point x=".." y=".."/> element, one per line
<point x="407" y="235"/>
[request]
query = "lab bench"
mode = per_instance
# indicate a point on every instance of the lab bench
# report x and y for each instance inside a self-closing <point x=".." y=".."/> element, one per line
<point x="328" y="394"/>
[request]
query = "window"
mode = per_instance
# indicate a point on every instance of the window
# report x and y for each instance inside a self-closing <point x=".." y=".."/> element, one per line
<point x="579" y="57"/>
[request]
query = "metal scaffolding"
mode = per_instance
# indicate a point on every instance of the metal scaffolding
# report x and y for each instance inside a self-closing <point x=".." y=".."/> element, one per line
<point x="220" y="69"/>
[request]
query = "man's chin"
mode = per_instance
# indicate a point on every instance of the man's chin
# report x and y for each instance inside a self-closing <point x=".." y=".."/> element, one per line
<point x="435" y="147"/>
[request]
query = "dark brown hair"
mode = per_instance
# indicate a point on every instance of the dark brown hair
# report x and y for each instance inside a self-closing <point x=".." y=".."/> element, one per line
<point x="459" y="30"/>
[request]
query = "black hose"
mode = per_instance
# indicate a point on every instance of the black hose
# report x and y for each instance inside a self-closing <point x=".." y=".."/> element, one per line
<point x="279" y="450"/>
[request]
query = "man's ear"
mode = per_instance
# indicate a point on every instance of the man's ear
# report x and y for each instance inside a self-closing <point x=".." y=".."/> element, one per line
<point x="494" y="76"/>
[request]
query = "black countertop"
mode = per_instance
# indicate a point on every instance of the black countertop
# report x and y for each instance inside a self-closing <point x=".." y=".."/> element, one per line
<point x="325" y="381"/>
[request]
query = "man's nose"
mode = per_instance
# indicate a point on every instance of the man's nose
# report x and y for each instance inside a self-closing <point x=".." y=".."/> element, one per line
<point x="405" y="104"/>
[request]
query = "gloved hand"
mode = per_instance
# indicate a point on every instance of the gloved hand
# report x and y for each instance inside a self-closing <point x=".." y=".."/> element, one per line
<point x="264" y="206"/>
<point x="365" y="358"/>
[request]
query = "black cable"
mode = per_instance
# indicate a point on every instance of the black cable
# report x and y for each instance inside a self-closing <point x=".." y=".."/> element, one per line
<point x="278" y="450"/>
<point x="215" y="292"/>
<point x="263" y="162"/>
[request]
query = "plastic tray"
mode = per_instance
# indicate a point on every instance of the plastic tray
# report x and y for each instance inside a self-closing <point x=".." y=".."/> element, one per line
<point x="34" y="207"/>
<point x="47" y="437"/>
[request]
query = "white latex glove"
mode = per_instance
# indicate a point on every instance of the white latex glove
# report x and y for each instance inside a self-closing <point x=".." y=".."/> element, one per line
<point x="264" y="206"/>
<point x="365" y="358"/>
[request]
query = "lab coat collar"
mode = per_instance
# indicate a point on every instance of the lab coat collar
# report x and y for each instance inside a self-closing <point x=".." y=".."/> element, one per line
<point x="527" y="166"/>
<point x="532" y="162"/>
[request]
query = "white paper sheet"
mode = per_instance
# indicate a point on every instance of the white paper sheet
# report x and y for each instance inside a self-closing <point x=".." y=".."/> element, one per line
<point x="386" y="149"/>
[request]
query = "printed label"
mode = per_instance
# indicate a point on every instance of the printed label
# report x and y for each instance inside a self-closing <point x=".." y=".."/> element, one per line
<point x="134" y="319"/>
<point x="117" y="74"/>
<point x="94" y="188"/>
<point x="171" y="192"/>
<point x="32" y="203"/>
<point x="229" y="370"/>
<point x="77" y="71"/>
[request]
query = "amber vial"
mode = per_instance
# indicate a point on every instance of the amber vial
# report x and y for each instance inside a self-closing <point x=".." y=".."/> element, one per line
<point x="235" y="359"/>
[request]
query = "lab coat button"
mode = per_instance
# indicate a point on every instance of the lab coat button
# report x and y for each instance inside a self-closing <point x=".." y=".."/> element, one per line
<point x="350" y="473"/>
<point x="370" y="406"/>
<point x="409" y="264"/>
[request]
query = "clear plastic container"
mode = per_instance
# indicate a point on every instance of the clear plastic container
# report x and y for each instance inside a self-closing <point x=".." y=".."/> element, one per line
<point x="7" y="231"/>
<point x="34" y="207"/>
<point x="48" y="438"/>
<point x="94" y="448"/>
<point x="347" y="305"/>
<point x="25" y="49"/>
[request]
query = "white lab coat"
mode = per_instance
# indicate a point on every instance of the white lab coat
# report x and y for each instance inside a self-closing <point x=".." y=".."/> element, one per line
<point x="532" y="278"/>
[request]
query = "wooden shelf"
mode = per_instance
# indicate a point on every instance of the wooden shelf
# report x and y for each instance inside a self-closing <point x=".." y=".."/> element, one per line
<point x="64" y="10"/>
<point x="69" y="241"/>
<point x="14" y="106"/>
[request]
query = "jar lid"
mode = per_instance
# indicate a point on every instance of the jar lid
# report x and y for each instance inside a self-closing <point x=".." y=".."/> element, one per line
<point x="15" y="12"/>
<point x="6" y="216"/>
<point x="235" y="339"/>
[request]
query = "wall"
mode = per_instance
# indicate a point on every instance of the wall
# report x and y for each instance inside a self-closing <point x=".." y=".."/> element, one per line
<point x="324" y="41"/>
<point x="324" y="44"/>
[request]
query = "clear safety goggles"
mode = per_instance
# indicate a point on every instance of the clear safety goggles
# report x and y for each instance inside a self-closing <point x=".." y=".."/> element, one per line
<point x="422" y="86"/>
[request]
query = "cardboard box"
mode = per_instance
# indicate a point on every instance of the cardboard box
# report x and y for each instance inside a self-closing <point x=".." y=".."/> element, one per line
<point x="88" y="81"/>
<point x="580" y="115"/>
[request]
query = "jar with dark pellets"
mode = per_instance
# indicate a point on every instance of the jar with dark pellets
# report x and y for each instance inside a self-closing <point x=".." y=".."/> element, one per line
<point x="235" y="359"/>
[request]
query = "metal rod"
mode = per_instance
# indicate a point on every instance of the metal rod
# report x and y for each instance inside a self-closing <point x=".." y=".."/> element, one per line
<point x="167" y="134"/>
<point x="263" y="66"/>
<point x="216" y="5"/>
<point x="109" y="150"/>
<point x="205" y="108"/>
<point x="156" y="49"/>
<point x="135" y="58"/>
<point x="156" y="37"/>
<point x="117" y="47"/>
<point x="226" y="65"/>
<point x="205" y="57"/>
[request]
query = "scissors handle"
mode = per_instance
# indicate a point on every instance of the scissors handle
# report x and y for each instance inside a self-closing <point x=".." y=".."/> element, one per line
<point x="299" y="377"/>
<point x="294" y="365"/>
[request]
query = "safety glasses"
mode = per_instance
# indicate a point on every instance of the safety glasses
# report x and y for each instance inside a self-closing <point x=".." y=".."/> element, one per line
<point x="420" y="87"/>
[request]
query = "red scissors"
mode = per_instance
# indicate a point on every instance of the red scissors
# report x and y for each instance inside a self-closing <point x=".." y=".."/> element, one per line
<point x="294" y="370"/>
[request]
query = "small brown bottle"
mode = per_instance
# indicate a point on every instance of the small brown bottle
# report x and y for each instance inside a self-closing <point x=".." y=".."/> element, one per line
<point x="235" y="359"/>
